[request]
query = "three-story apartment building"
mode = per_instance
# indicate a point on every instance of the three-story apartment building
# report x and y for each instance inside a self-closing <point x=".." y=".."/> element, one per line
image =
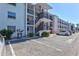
<point x="59" y="25"/>
<point x="30" y="18"/>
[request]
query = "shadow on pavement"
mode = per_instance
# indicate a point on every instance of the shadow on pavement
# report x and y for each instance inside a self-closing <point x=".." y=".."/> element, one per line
<point x="19" y="40"/>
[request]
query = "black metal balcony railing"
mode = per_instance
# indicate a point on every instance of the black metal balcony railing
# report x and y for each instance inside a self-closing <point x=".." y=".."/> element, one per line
<point x="30" y="22"/>
<point x="41" y="15"/>
<point x="36" y="14"/>
<point x="51" y="24"/>
<point x="30" y="11"/>
<point x="14" y="4"/>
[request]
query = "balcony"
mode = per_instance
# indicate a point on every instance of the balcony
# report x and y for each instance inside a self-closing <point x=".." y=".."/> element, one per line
<point x="51" y="24"/>
<point x="14" y="4"/>
<point x="30" y="11"/>
<point x="43" y="15"/>
<point x="30" y="22"/>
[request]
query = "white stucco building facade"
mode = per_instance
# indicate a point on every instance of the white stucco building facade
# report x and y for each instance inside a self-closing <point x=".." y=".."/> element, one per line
<point x="12" y="16"/>
<point x="23" y="16"/>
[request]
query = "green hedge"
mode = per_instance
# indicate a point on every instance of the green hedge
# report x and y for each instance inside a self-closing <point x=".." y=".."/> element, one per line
<point x="45" y="34"/>
<point x="7" y="33"/>
<point x="31" y="34"/>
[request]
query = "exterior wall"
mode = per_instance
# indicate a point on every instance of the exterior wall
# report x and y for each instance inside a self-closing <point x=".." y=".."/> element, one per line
<point x="60" y="25"/>
<point x="5" y="21"/>
<point x="77" y="28"/>
<point x="63" y="26"/>
<point x="55" y="24"/>
<point x="3" y="15"/>
<point x="30" y="18"/>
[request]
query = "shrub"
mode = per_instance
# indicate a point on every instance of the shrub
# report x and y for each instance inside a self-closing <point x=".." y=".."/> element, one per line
<point x="30" y="34"/>
<point x="51" y="32"/>
<point x="6" y="33"/>
<point x="37" y="34"/>
<point x="45" y="34"/>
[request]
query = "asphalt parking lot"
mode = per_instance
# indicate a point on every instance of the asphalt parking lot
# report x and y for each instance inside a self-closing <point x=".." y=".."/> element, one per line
<point x="47" y="46"/>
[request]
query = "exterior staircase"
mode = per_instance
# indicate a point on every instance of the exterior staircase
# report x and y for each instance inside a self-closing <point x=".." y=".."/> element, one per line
<point x="40" y="23"/>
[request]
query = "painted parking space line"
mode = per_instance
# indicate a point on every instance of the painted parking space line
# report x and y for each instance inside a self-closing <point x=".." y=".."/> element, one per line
<point x="70" y="40"/>
<point x="73" y="39"/>
<point x="12" y="50"/>
<point x="2" y="45"/>
<point x="59" y="50"/>
<point x="1" y="48"/>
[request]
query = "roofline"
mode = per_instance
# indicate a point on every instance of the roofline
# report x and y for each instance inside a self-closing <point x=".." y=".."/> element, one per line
<point x="49" y="7"/>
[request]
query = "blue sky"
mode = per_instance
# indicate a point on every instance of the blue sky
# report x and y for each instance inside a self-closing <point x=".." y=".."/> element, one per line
<point x="66" y="11"/>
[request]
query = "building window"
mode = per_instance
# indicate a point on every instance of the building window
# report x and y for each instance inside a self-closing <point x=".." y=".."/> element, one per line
<point x="12" y="15"/>
<point x="12" y="28"/>
<point x="14" y="4"/>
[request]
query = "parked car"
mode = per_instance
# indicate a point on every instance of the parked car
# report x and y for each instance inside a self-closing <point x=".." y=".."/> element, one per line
<point x="65" y="33"/>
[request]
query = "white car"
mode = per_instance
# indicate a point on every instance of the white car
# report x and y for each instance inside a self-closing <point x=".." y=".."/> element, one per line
<point x="66" y="33"/>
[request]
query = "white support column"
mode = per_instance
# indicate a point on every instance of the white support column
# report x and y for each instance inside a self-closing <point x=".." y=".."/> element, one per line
<point x="25" y="20"/>
<point x="44" y="26"/>
<point x="48" y="22"/>
<point x="34" y="20"/>
<point x="48" y="25"/>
